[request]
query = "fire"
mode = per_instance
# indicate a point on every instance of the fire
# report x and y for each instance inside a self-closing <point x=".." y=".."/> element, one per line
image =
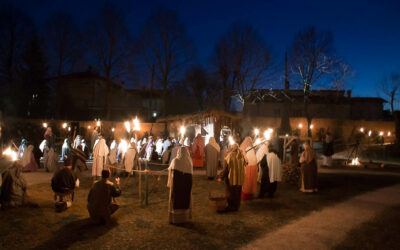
<point x="113" y="129"/>
<point x="300" y="125"/>
<point x="64" y="125"/>
<point x="355" y="162"/>
<point x="362" y="130"/>
<point x="267" y="134"/>
<point x="256" y="131"/>
<point x="45" y="125"/>
<point x="231" y="141"/>
<point x="127" y="126"/>
<point x="258" y="141"/>
<point x="123" y="146"/>
<point x="182" y="130"/>
<point x="136" y="124"/>
<point x="11" y="153"/>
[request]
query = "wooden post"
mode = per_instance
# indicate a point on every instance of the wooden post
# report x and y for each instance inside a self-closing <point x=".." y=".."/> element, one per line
<point x="147" y="184"/>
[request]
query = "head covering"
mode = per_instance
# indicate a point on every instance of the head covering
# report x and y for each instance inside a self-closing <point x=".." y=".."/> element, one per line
<point x="214" y="143"/>
<point x="182" y="162"/>
<point x="65" y="145"/>
<point x="309" y="153"/>
<point x="23" y="142"/>
<point x="236" y="164"/>
<point x="263" y="150"/>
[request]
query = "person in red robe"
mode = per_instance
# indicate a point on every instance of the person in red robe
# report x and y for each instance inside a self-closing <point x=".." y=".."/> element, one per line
<point x="198" y="151"/>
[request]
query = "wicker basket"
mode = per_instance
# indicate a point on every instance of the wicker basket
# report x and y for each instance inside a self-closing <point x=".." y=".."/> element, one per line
<point x="218" y="203"/>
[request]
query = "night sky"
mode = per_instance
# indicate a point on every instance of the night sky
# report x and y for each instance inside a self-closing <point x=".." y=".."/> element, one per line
<point x="367" y="33"/>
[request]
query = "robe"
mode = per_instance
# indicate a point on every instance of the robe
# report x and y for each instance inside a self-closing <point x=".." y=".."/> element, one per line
<point x="21" y="151"/>
<point x="159" y="147"/>
<point x="51" y="161"/>
<point x="212" y="151"/>
<point x="250" y="183"/>
<point x="198" y="151"/>
<point x="166" y="145"/>
<point x="174" y="153"/>
<point x="271" y="174"/>
<point x="100" y="152"/>
<point x="309" y="170"/>
<point x="28" y="160"/>
<point x="13" y="188"/>
<point x="131" y="160"/>
<point x="100" y="200"/>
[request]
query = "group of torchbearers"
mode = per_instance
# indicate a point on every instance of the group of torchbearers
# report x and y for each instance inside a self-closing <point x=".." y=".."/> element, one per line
<point x="246" y="169"/>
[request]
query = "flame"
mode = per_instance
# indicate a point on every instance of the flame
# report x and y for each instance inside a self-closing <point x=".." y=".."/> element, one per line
<point x="362" y="130"/>
<point x="89" y="127"/>
<point x="311" y="126"/>
<point x="389" y="134"/>
<point x="136" y="124"/>
<point x="11" y="153"/>
<point x="256" y="131"/>
<point x="123" y="146"/>
<point x="267" y="134"/>
<point x="300" y="125"/>
<point x="98" y="123"/>
<point x="64" y="125"/>
<point x="355" y="162"/>
<point x="45" y="125"/>
<point x="113" y="129"/>
<point x="369" y="133"/>
<point x="127" y="126"/>
<point x="183" y="130"/>
<point x="381" y="133"/>
<point x="258" y="141"/>
<point x="231" y="141"/>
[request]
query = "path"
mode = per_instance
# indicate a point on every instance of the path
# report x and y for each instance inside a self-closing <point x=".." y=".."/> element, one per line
<point x="326" y="228"/>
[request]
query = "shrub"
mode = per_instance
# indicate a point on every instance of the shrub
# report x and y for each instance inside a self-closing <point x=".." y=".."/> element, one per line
<point x="291" y="174"/>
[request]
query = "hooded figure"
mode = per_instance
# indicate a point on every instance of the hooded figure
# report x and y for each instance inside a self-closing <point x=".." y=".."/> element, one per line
<point x="271" y="171"/>
<point x="198" y="151"/>
<point x="180" y="187"/>
<point x="250" y="183"/>
<point x="174" y="152"/>
<point x="100" y="152"/>
<point x="65" y="149"/>
<point x="28" y="160"/>
<point x="21" y="149"/>
<point x="212" y="152"/>
<point x="234" y="175"/>
<point x="51" y="161"/>
<point x="309" y="169"/>
<point x="112" y="158"/>
<point x="13" y="188"/>
<point x="131" y="159"/>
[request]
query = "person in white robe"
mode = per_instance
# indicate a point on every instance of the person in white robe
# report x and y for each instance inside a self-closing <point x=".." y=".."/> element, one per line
<point x="271" y="171"/>
<point x="174" y="152"/>
<point x="180" y="174"/>
<point x="94" y="137"/>
<point x="21" y="149"/>
<point x="131" y="159"/>
<point x="112" y="157"/>
<point x="85" y="148"/>
<point x="212" y="151"/>
<point x="51" y="161"/>
<point x="100" y="152"/>
<point x="159" y="146"/>
<point x="166" y="145"/>
<point x="65" y="149"/>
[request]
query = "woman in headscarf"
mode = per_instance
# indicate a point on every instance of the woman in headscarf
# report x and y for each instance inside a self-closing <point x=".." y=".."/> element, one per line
<point x="65" y="149"/>
<point x="250" y="183"/>
<point x="212" y="158"/>
<point x="234" y="175"/>
<point x="309" y="170"/>
<point x="198" y="151"/>
<point x="180" y="187"/>
<point x="131" y="159"/>
<point x="270" y="168"/>
<point x="28" y="160"/>
<point x="21" y="149"/>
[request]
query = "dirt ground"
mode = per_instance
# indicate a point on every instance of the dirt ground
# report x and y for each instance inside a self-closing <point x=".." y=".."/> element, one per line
<point x="138" y="227"/>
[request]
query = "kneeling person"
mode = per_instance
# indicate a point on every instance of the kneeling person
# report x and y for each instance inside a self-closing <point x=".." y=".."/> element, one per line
<point x="100" y="200"/>
<point x="63" y="184"/>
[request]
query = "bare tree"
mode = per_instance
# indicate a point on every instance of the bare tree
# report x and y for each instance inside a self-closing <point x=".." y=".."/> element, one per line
<point x="63" y="42"/>
<point x="315" y="64"/>
<point x="389" y="87"/>
<point x="242" y="61"/>
<point x="110" y="46"/>
<point x="165" y="48"/>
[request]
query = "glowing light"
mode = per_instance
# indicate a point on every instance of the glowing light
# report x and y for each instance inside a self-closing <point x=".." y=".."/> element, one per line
<point x="287" y="135"/>
<point x="369" y="133"/>
<point x="267" y="135"/>
<point x="311" y="126"/>
<point x="98" y="123"/>
<point x="11" y="153"/>
<point x="69" y="128"/>
<point x="300" y="125"/>
<point x="64" y="125"/>
<point x="45" y="125"/>
<point x="127" y="126"/>
<point x="123" y="146"/>
<point x="89" y="127"/>
<point x="270" y="130"/>
<point x="136" y="124"/>
<point x="112" y="129"/>
<point x="256" y="131"/>
<point x="258" y="141"/>
<point x="355" y="162"/>
<point x="182" y="130"/>
<point x="231" y="141"/>
<point x="381" y="133"/>
<point x="389" y="134"/>
<point x="362" y="130"/>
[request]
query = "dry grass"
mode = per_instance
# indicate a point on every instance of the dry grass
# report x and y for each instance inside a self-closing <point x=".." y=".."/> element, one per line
<point x="136" y="226"/>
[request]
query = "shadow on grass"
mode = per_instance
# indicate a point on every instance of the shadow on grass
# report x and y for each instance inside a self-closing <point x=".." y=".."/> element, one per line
<point x="79" y="230"/>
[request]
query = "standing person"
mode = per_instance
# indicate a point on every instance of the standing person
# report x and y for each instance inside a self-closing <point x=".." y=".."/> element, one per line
<point x="309" y="170"/>
<point x="85" y="149"/>
<point x="95" y="135"/>
<point x="100" y="152"/>
<point x="327" y="150"/>
<point x="50" y="138"/>
<point x="28" y="160"/>
<point x="250" y="183"/>
<point x="101" y="204"/>
<point x="166" y="145"/>
<point x="212" y="158"/>
<point x="159" y="147"/>
<point x="63" y="185"/>
<point x="51" y="161"/>
<point x="294" y="153"/>
<point x="271" y="171"/>
<point x="21" y="149"/>
<point x="65" y="149"/>
<point x="174" y="152"/>
<point x="180" y="187"/>
<point x="198" y="151"/>
<point x="234" y="175"/>
<point x="131" y="159"/>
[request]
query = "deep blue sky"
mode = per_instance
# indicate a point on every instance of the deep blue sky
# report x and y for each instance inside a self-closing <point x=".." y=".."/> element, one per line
<point x="367" y="33"/>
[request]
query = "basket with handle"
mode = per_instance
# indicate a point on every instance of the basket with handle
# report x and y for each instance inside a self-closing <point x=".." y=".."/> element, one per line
<point x="218" y="203"/>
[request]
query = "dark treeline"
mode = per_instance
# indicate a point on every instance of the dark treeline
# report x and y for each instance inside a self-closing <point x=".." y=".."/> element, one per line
<point x="161" y="56"/>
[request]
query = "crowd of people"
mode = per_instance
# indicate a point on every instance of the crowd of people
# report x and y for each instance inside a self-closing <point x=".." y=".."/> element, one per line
<point x="251" y="169"/>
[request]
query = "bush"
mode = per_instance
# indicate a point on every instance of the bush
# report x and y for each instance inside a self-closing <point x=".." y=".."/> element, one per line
<point x="291" y="174"/>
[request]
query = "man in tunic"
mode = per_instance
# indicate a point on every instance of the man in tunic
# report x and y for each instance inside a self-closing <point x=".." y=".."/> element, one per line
<point x="250" y="183"/>
<point x="234" y="175"/>
<point x="101" y="204"/>
<point x="198" y="151"/>
<point x="271" y="171"/>
<point x="85" y="148"/>
<point x="63" y="184"/>
<point x="212" y="158"/>
<point x="180" y="187"/>
<point x="100" y="153"/>
<point x="309" y="169"/>
<point x="21" y="149"/>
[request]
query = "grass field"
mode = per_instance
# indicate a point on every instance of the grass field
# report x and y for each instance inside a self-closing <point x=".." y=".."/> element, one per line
<point x="136" y="226"/>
